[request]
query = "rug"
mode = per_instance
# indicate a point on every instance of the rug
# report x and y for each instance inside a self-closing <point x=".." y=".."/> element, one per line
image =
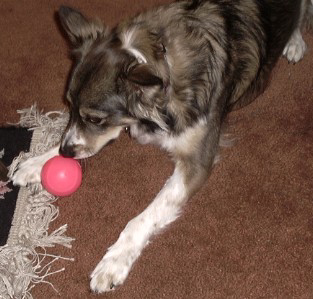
<point x="13" y="140"/>
<point x="27" y="212"/>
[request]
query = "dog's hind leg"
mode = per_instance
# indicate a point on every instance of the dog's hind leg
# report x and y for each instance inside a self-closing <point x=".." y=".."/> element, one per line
<point x="296" y="46"/>
<point x="193" y="164"/>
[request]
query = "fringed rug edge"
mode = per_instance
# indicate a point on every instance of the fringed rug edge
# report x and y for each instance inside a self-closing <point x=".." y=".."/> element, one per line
<point x="24" y="261"/>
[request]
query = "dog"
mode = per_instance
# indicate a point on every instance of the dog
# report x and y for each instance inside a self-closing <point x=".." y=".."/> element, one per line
<point x="170" y="75"/>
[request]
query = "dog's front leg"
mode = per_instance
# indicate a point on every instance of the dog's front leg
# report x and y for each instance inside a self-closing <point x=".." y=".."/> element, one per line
<point x="117" y="262"/>
<point x="28" y="171"/>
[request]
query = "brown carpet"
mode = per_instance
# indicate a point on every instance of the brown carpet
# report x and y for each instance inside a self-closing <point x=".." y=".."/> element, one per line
<point x="247" y="234"/>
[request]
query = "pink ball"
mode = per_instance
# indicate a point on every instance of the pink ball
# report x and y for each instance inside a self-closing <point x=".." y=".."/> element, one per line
<point x="61" y="176"/>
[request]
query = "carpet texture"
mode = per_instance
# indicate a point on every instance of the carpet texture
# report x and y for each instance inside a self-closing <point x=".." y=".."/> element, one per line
<point x="248" y="233"/>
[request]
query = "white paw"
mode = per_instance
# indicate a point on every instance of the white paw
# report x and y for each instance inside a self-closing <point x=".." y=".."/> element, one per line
<point x="111" y="271"/>
<point x="28" y="172"/>
<point x="295" y="48"/>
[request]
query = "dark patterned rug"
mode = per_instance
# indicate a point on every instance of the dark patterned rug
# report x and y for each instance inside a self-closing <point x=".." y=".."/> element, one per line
<point x="13" y="140"/>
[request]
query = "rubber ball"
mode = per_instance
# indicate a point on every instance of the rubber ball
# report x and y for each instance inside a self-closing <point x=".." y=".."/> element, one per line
<point x="61" y="176"/>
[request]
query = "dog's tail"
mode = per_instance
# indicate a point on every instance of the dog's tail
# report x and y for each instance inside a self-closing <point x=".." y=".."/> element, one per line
<point x="308" y="17"/>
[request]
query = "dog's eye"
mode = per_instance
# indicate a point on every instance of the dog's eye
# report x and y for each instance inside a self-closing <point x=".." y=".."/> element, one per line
<point x="93" y="120"/>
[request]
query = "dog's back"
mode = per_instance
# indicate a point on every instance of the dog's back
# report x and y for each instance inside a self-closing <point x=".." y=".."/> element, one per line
<point x="217" y="50"/>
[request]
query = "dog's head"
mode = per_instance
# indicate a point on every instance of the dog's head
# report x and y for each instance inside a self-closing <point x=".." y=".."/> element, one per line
<point x="113" y="84"/>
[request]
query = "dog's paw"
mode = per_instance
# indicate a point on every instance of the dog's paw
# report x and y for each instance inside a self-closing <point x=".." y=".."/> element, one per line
<point x="295" y="48"/>
<point x="28" y="172"/>
<point x="111" y="272"/>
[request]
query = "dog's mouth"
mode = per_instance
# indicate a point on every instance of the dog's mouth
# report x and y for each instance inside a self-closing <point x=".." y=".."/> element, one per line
<point x="82" y="156"/>
<point x="75" y="153"/>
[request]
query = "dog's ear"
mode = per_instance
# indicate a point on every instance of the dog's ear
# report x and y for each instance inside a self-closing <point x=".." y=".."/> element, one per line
<point x="78" y="28"/>
<point x="143" y="75"/>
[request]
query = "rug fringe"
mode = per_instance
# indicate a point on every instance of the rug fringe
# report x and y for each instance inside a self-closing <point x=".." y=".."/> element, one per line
<point x="24" y="261"/>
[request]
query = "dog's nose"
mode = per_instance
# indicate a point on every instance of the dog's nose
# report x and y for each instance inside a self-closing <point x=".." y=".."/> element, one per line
<point x="67" y="151"/>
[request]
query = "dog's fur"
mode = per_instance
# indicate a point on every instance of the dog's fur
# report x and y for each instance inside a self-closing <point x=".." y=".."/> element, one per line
<point x="170" y="75"/>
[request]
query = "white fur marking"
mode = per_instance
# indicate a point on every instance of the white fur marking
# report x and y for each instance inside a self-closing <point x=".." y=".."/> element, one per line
<point x="127" y="39"/>
<point x="72" y="137"/>
<point x="184" y="140"/>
